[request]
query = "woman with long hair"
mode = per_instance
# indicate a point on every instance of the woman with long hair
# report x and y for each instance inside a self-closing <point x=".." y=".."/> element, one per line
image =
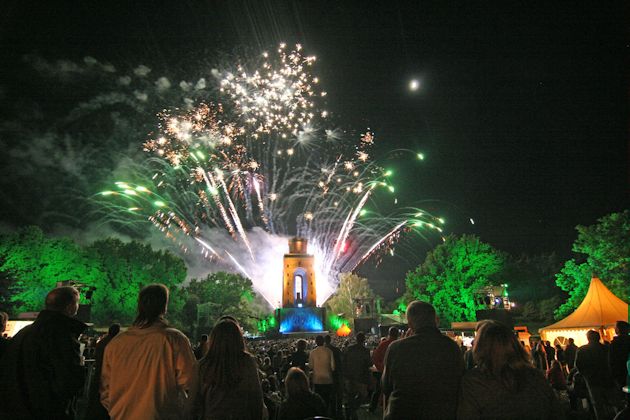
<point x="301" y="403"/>
<point x="504" y="384"/>
<point x="229" y="386"/>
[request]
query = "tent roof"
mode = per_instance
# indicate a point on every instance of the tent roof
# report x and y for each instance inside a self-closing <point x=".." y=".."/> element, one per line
<point x="599" y="308"/>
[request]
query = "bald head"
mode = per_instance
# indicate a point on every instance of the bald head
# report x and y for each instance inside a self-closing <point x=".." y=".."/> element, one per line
<point x="63" y="299"/>
<point x="421" y="314"/>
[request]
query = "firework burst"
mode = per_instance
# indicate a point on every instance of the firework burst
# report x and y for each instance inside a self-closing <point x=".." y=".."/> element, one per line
<point x="243" y="174"/>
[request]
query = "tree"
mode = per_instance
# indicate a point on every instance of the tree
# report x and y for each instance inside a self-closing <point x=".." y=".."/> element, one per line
<point x="532" y="278"/>
<point x="533" y="288"/>
<point x="34" y="264"/>
<point x="452" y="273"/>
<point x="605" y="252"/>
<point x="351" y="287"/>
<point x="221" y="294"/>
<point x="127" y="268"/>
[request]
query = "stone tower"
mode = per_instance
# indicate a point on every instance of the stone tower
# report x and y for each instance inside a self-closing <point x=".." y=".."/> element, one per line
<point x="298" y="283"/>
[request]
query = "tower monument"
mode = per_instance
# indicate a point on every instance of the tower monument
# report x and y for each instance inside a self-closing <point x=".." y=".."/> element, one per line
<point x="298" y="287"/>
<point x="299" y="312"/>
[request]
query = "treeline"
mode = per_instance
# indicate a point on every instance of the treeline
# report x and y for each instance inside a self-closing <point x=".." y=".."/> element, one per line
<point x="544" y="287"/>
<point x="31" y="264"/>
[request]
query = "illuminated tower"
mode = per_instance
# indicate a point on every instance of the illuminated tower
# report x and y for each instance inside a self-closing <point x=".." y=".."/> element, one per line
<point x="298" y="284"/>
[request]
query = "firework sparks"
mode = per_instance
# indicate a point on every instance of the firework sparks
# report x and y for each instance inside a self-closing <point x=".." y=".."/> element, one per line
<point x="278" y="96"/>
<point x="256" y="162"/>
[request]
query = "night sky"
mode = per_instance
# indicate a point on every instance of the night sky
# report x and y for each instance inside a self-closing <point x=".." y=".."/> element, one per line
<point x="522" y="111"/>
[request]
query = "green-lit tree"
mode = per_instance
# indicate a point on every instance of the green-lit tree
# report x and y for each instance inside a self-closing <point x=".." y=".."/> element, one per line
<point x="604" y="250"/>
<point x="33" y="264"/>
<point x="350" y="287"/>
<point x="452" y="273"/>
<point x="221" y="294"/>
<point x="126" y="268"/>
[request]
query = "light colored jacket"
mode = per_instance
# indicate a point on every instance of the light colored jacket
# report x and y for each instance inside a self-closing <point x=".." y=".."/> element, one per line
<point x="148" y="374"/>
<point x="322" y="363"/>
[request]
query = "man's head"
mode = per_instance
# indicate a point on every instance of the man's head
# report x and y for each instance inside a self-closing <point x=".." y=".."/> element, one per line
<point x="360" y="337"/>
<point x="421" y="314"/>
<point x="622" y="328"/>
<point x="327" y="339"/>
<point x="571" y="341"/>
<point x="593" y="336"/>
<point x="63" y="299"/>
<point x="114" y="329"/>
<point x="319" y="340"/>
<point x="393" y="332"/>
<point x="152" y="303"/>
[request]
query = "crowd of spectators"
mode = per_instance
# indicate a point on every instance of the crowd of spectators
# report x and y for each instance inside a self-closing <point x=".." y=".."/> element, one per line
<point x="151" y="371"/>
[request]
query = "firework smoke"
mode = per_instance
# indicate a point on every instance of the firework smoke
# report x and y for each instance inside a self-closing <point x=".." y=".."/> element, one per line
<point x="233" y="180"/>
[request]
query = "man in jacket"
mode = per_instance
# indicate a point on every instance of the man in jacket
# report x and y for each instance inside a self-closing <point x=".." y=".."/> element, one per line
<point x="41" y="372"/>
<point x="149" y="370"/>
<point x="357" y="363"/>
<point x="378" y="357"/>
<point x="321" y="361"/>
<point x="422" y="371"/>
<point x="337" y="397"/>
<point x="619" y="352"/>
<point x="569" y="354"/>
<point x="592" y="363"/>
<point x="95" y="410"/>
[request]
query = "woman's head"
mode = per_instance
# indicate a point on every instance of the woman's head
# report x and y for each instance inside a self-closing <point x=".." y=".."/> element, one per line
<point x="498" y="352"/>
<point x="226" y="337"/>
<point x="296" y="382"/>
<point x="222" y="362"/>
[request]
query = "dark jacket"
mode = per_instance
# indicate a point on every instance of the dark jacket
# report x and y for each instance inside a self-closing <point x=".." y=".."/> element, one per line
<point x="484" y="397"/>
<point x="569" y="355"/>
<point x="551" y="354"/>
<point x="4" y="344"/>
<point x="422" y="375"/>
<point x="299" y="359"/>
<point x="95" y="410"/>
<point x="302" y="407"/>
<point x="41" y="372"/>
<point x="337" y="355"/>
<point x="592" y="362"/>
<point x="618" y="358"/>
<point x="357" y="363"/>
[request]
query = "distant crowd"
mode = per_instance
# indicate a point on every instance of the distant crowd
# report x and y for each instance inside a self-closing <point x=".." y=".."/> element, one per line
<point x="151" y="371"/>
